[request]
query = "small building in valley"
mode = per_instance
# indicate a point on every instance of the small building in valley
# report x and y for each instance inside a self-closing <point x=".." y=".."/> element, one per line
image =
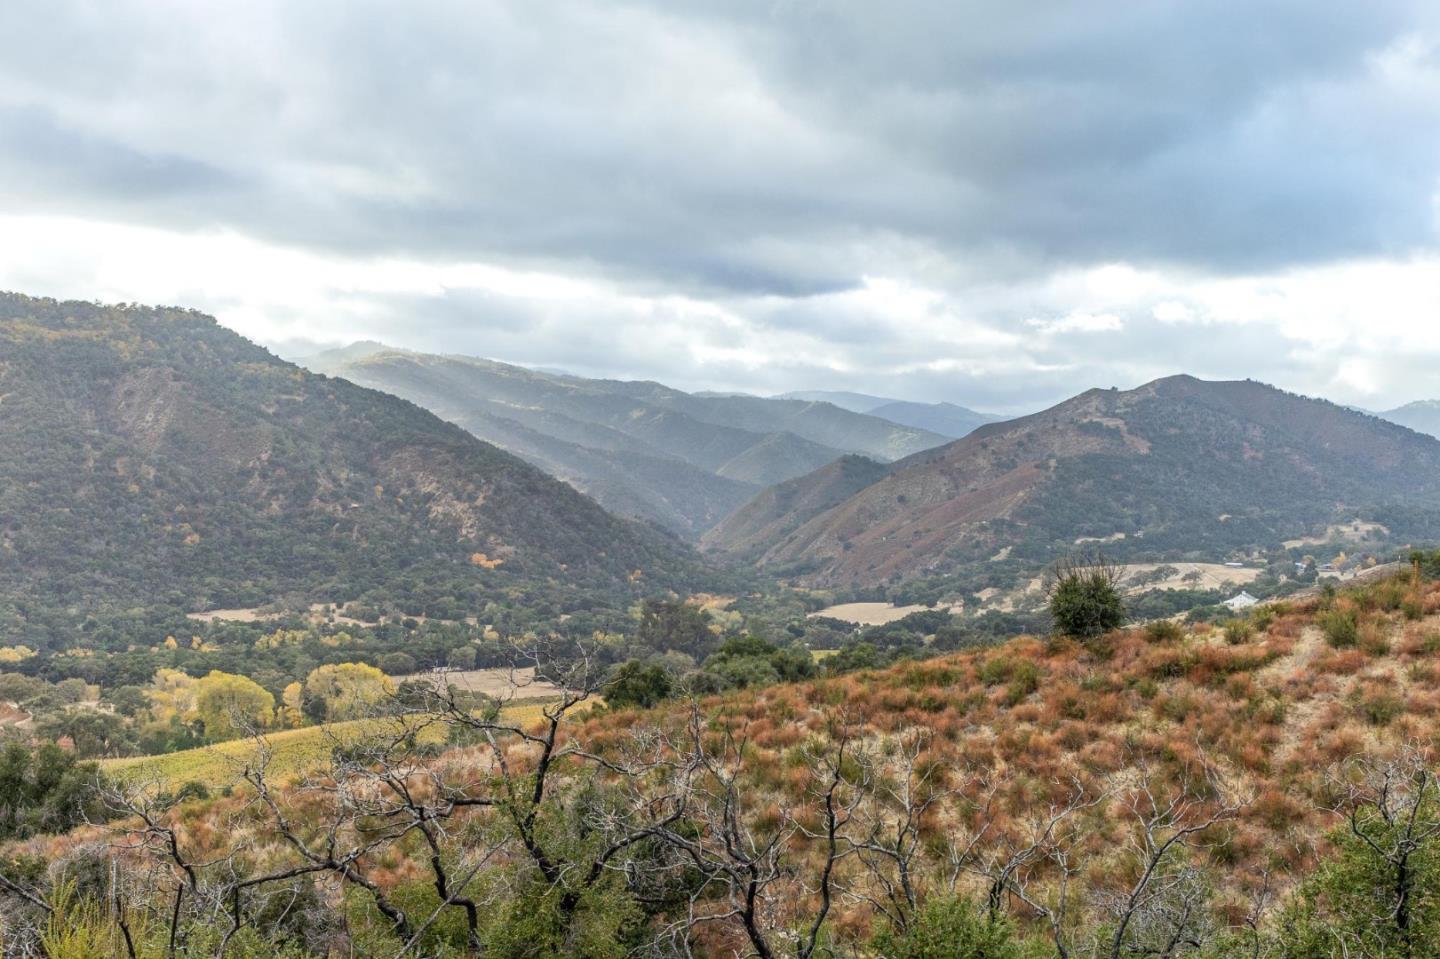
<point x="1240" y="601"/>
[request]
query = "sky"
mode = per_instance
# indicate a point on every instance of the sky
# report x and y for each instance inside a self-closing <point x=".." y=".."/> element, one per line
<point x="998" y="205"/>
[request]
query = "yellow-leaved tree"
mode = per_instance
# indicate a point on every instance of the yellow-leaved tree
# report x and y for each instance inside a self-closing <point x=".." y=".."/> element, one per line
<point x="231" y="706"/>
<point x="292" y="701"/>
<point x="171" y="695"/>
<point x="344" y="691"/>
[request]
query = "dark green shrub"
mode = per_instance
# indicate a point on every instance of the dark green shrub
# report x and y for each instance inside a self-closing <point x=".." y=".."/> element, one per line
<point x="1164" y="631"/>
<point x="1024" y="680"/>
<point x="637" y="684"/>
<point x="1380" y="707"/>
<point x="1349" y="906"/>
<point x="1341" y="627"/>
<point x="950" y="928"/>
<point x="1085" y="600"/>
<point x="1239" y="631"/>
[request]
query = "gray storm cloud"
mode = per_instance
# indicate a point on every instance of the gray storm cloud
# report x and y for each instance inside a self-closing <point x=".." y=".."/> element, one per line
<point x="767" y="158"/>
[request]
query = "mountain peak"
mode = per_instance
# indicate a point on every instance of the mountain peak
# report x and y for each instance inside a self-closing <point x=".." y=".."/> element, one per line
<point x="1168" y="460"/>
<point x="1422" y="416"/>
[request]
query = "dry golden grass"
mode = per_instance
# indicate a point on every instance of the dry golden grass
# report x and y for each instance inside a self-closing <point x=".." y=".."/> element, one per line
<point x="1272" y="712"/>
<point x="869" y="614"/>
<point x="293" y="752"/>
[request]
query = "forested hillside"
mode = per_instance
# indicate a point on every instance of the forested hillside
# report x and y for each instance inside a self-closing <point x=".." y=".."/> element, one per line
<point x="149" y="457"/>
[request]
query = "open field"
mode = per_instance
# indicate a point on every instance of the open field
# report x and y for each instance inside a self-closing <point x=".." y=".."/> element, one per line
<point x="1205" y="576"/>
<point x="1193" y="576"/>
<point x="1354" y="530"/>
<point x="509" y="685"/>
<point x="293" y="752"/>
<point x="229" y="616"/>
<point x="316" y="615"/>
<point x="870" y="614"/>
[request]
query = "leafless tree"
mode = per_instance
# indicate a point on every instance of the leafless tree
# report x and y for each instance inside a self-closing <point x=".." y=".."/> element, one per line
<point x="389" y="779"/>
<point x="144" y="802"/>
<point x="747" y="869"/>
<point x="1039" y="868"/>
<point x="1262" y="897"/>
<point x="1167" y="894"/>
<point x="1175" y="916"/>
<point x="1391" y="806"/>
<point x="888" y="840"/>
<point x="520" y="794"/>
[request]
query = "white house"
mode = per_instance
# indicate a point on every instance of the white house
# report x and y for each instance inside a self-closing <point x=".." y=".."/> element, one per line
<point x="1241" y="600"/>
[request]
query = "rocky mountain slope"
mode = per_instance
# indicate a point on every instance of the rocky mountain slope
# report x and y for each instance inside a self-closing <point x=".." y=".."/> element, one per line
<point x="783" y="508"/>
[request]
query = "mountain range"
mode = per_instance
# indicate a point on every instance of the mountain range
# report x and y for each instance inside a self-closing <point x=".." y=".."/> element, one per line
<point x="947" y="419"/>
<point x="149" y="456"/>
<point x="1178" y="467"/>
<point x="152" y="457"/>
<point x="640" y="449"/>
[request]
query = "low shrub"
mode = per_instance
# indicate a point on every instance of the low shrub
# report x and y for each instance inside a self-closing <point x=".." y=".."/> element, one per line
<point x="1379" y="706"/>
<point x="1238" y="631"/>
<point x="1340" y="626"/>
<point x="950" y="928"/>
<point x="1164" y="631"/>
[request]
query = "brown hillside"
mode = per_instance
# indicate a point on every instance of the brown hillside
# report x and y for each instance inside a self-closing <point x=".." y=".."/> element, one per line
<point x="780" y="509"/>
<point x="1178" y="465"/>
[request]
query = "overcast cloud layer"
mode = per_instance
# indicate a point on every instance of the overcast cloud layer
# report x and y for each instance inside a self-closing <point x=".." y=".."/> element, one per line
<point x="995" y="204"/>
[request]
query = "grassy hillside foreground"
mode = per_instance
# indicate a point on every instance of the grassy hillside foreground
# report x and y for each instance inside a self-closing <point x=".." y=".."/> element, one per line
<point x="1159" y="785"/>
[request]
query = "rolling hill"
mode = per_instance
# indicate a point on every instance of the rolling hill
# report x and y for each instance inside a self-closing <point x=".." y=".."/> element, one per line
<point x="947" y="419"/>
<point x="151" y="457"/>
<point x="783" y="508"/>
<point x="1175" y="468"/>
<point x="1422" y="416"/>
<point x="640" y="449"/>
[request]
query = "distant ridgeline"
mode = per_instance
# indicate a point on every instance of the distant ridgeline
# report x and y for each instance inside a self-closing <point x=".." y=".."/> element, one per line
<point x="642" y="449"/>
<point x="1179" y="469"/>
<point x="150" y="457"/>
